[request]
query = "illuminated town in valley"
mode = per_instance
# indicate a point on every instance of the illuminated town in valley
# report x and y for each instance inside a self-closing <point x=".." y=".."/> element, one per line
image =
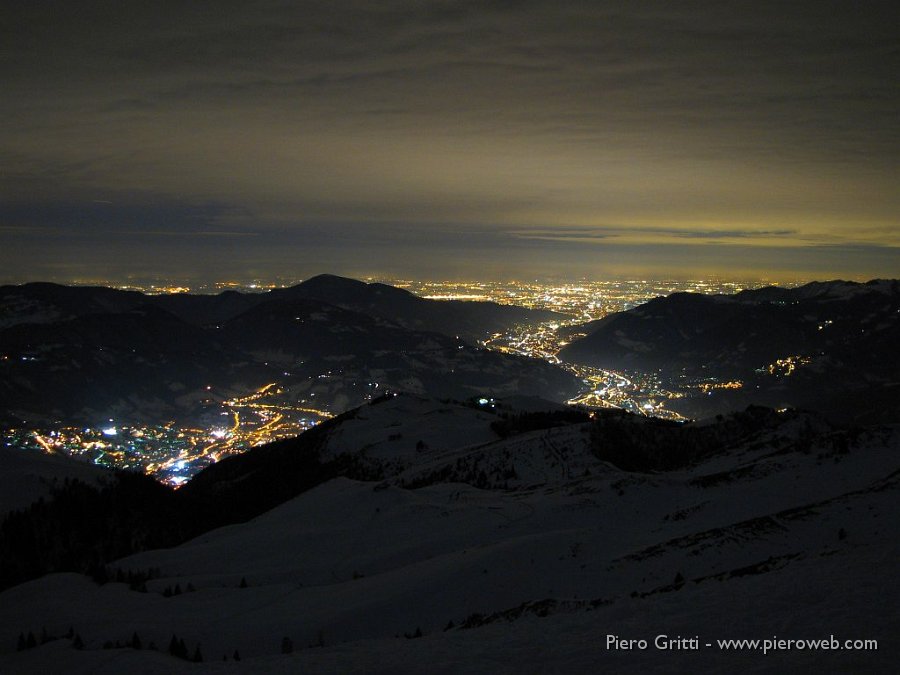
<point x="172" y="452"/>
<point x="229" y="424"/>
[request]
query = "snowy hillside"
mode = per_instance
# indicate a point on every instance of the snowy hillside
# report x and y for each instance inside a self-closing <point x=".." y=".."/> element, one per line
<point x="488" y="544"/>
<point x="28" y="476"/>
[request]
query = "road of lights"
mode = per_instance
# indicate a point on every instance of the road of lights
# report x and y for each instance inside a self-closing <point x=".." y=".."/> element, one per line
<point x="170" y="452"/>
<point x="173" y="452"/>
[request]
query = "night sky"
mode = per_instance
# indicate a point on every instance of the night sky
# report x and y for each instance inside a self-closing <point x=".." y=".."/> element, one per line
<point x="217" y="140"/>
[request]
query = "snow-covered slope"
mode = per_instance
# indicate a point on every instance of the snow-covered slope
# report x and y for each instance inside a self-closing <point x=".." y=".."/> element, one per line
<point x="511" y="554"/>
<point x="25" y="477"/>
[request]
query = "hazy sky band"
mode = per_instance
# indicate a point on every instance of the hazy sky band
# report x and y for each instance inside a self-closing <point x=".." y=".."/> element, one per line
<point x="599" y="133"/>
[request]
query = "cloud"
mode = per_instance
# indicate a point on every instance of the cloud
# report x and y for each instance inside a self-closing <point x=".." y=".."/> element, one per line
<point x="701" y="122"/>
<point x="604" y="233"/>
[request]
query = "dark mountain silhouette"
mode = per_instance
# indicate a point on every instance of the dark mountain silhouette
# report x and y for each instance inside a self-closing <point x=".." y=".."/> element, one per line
<point x="84" y="354"/>
<point x="838" y="336"/>
<point x="470" y="320"/>
<point x="145" y="362"/>
<point x="45" y="302"/>
<point x="42" y="302"/>
<point x="310" y="337"/>
<point x="207" y="310"/>
<point x="301" y="328"/>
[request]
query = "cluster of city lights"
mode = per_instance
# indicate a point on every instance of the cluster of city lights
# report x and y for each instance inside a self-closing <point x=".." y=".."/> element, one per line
<point x="172" y="452"/>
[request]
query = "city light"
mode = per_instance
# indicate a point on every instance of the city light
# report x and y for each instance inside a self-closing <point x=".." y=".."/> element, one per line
<point x="174" y="451"/>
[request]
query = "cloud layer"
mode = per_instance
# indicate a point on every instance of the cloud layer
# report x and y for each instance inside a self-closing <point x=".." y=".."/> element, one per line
<point x="667" y="126"/>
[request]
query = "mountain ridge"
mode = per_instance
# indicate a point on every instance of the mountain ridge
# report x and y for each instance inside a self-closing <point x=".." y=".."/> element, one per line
<point x="529" y="534"/>
<point x="817" y="346"/>
<point x="114" y="354"/>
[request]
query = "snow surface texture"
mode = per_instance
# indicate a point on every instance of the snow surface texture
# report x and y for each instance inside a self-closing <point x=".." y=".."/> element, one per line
<point x="28" y="476"/>
<point x="768" y="538"/>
